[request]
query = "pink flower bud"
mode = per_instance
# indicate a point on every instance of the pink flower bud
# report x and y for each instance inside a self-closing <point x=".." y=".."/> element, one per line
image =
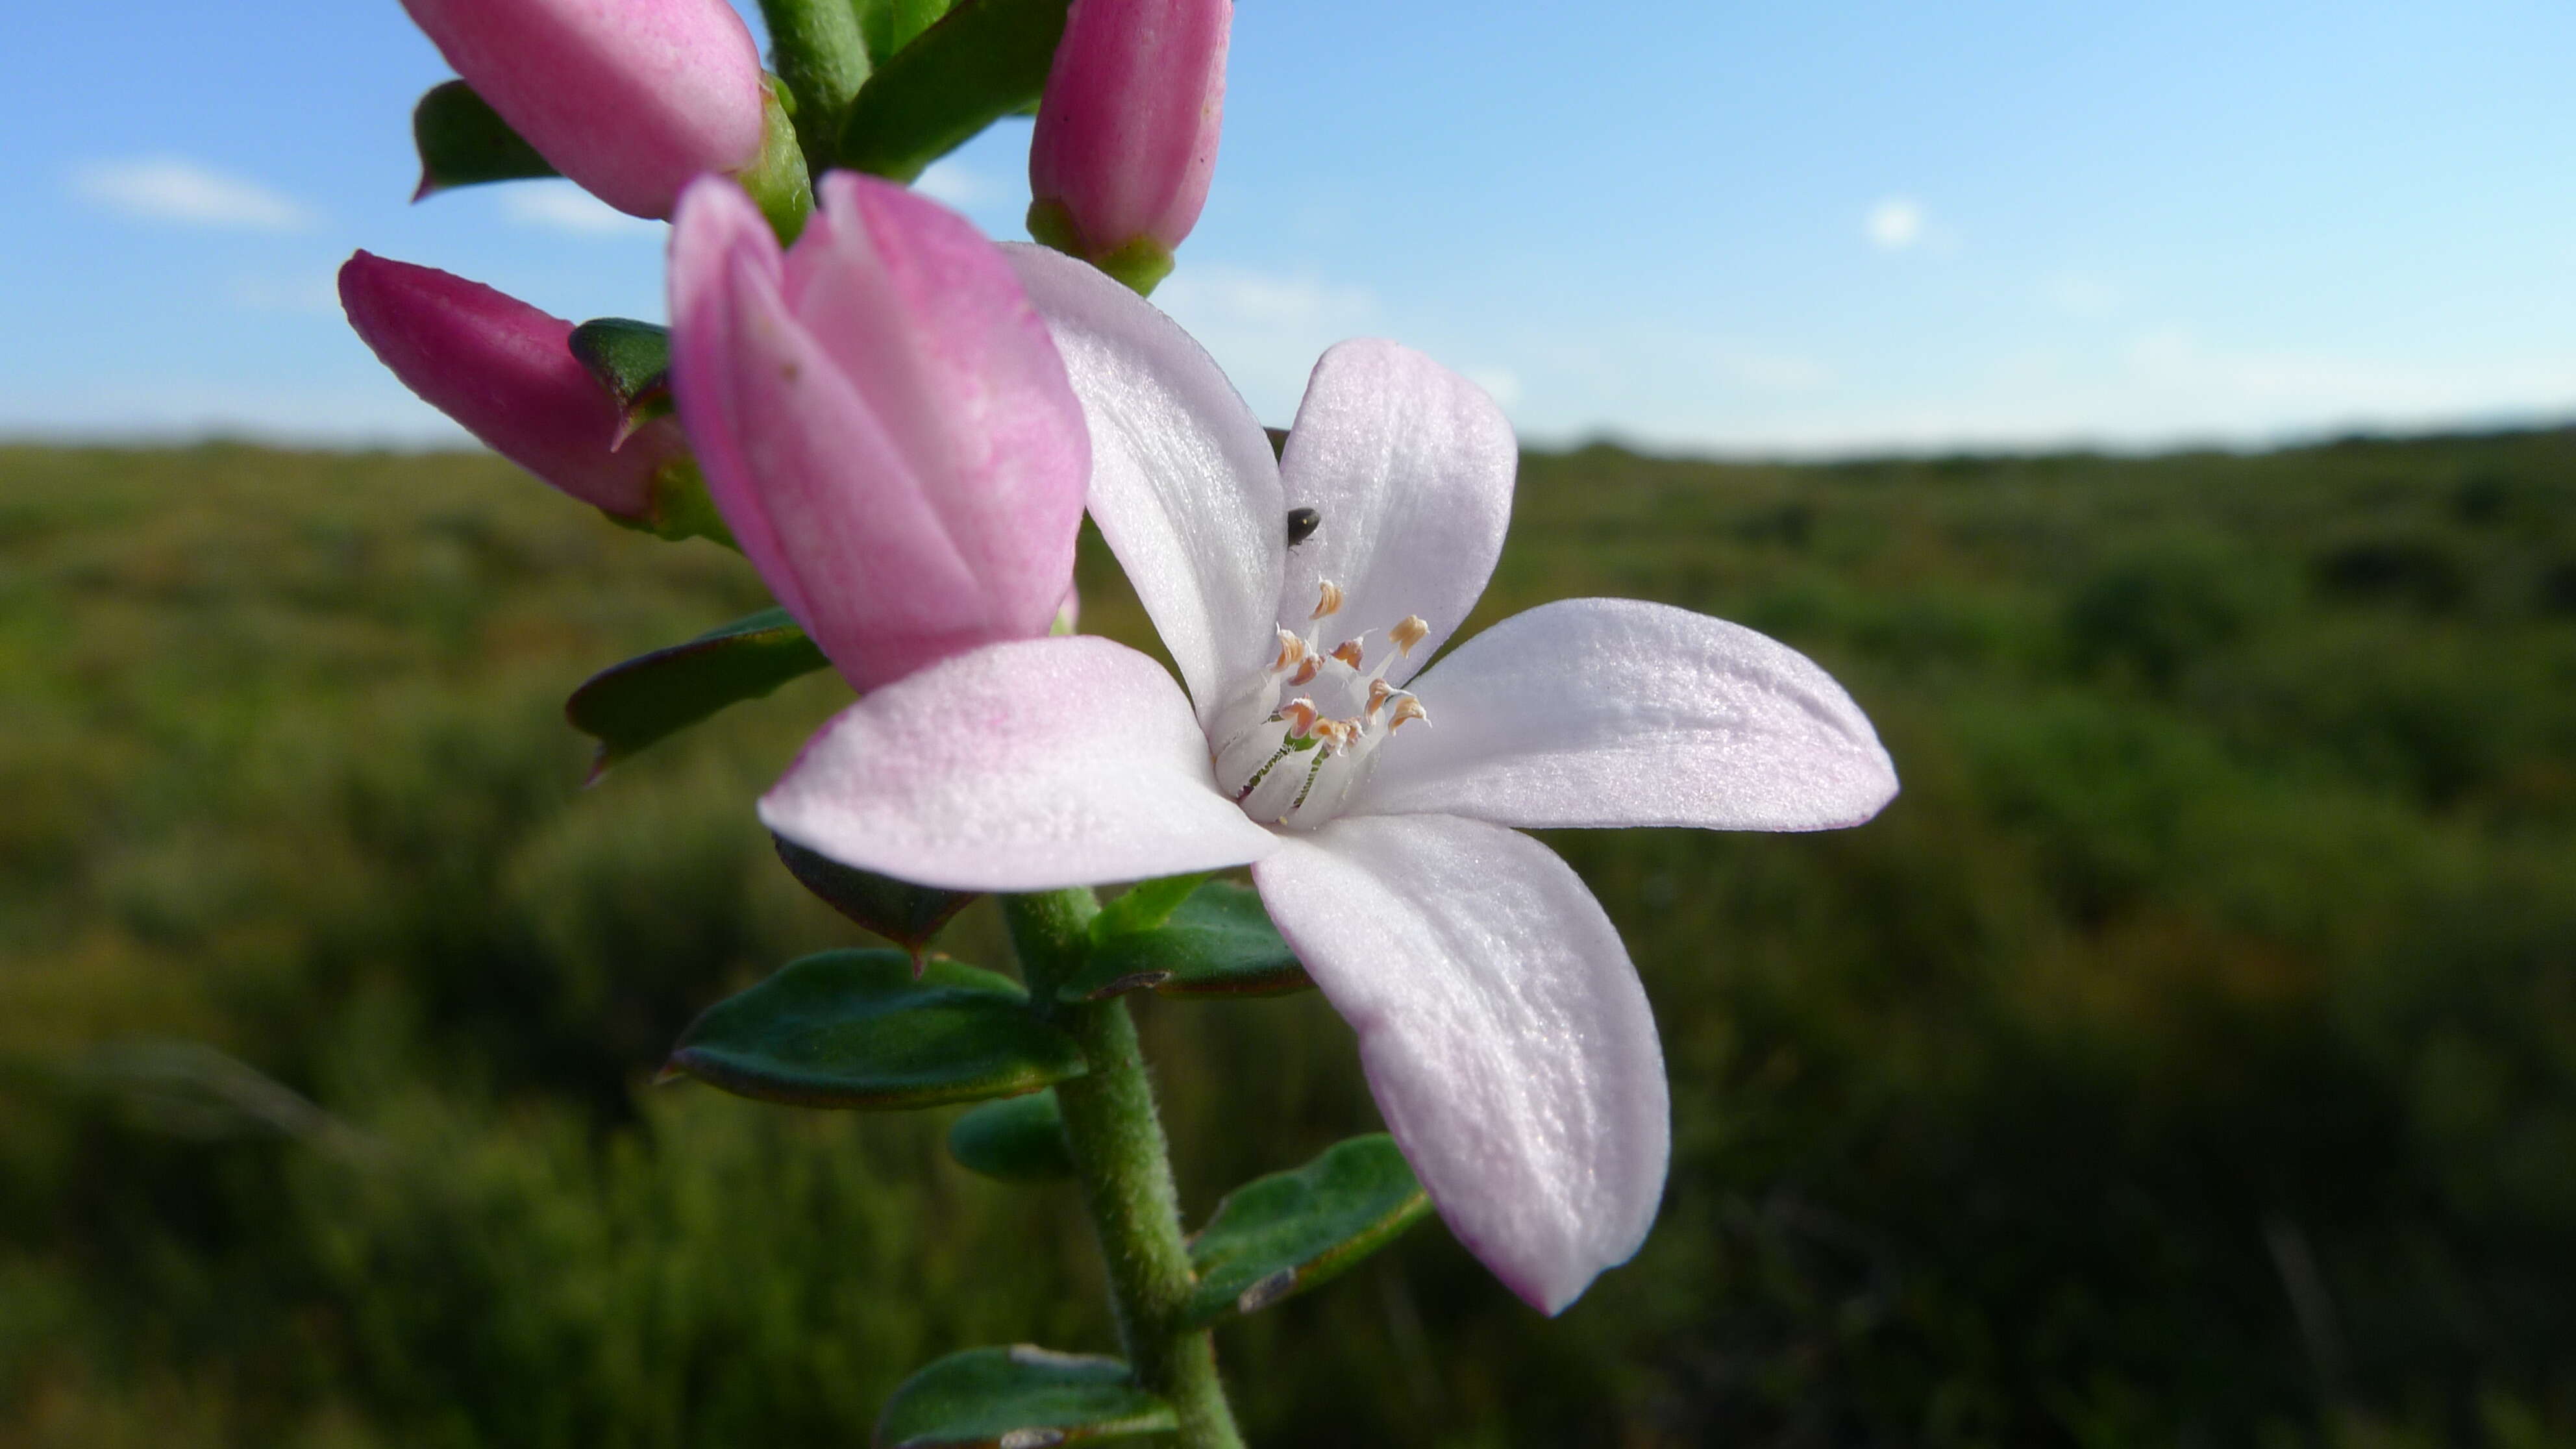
<point x="506" y="371"/>
<point x="1127" y="130"/>
<point x="630" y="98"/>
<point x="882" y="421"/>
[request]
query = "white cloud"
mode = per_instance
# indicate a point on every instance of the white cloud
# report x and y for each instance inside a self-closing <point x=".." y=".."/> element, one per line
<point x="1265" y="330"/>
<point x="167" y="188"/>
<point x="316" y="295"/>
<point x="2079" y="295"/>
<point x="1500" y="383"/>
<point x="1894" y="224"/>
<point x="957" y="185"/>
<point x="563" y="207"/>
<point x="1769" y="371"/>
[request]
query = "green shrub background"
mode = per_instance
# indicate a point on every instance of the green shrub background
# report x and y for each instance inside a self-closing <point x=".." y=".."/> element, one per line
<point x="2187" y="1057"/>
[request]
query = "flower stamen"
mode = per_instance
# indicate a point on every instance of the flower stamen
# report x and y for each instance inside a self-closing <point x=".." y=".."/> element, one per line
<point x="1328" y="601"/>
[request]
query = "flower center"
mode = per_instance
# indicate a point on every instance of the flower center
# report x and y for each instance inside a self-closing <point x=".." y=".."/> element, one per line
<point x="1329" y="710"/>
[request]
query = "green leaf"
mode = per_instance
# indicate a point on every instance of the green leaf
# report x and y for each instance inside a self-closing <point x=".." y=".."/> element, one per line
<point x="984" y="60"/>
<point x="1017" y="1139"/>
<point x="633" y="361"/>
<point x="1146" y="904"/>
<point x="857" y="1029"/>
<point x="1023" y="1397"/>
<point x="464" y="142"/>
<point x="1219" y="942"/>
<point x="904" y="913"/>
<point x="890" y="25"/>
<point x="1283" y="1234"/>
<point x="652" y="696"/>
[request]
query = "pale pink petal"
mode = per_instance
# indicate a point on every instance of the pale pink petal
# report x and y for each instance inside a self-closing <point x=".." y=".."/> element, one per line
<point x="1615" y="712"/>
<point x="1504" y="1033"/>
<point x="630" y="98"/>
<point x="1021" y="767"/>
<point x="1410" y="466"/>
<point x="1183" y="484"/>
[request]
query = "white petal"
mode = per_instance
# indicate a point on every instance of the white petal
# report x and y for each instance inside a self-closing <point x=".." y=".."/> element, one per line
<point x="1616" y="712"/>
<point x="1410" y="466"/>
<point x="1019" y="767"/>
<point x="1504" y="1033"/>
<point x="1183" y="484"/>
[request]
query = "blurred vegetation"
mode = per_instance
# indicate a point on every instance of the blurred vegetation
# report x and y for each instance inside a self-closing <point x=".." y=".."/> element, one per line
<point x="2188" y="1057"/>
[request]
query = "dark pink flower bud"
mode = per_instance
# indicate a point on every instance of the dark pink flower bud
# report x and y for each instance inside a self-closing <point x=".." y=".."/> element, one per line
<point x="630" y="98"/>
<point x="506" y="372"/>
<point x="1127" y="131"/>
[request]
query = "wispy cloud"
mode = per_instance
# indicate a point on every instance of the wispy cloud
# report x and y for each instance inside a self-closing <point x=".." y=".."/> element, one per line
<point x="957" y="185"/>
<point x="312" y="296"/>
<point x="1903" y="224"/>
<point x="561" y="206"/>
<point x="171" y="189"/>
<point x="2079" y="295"/>
<point x="1265" y="329"/>
<point x="1894" y="224"/>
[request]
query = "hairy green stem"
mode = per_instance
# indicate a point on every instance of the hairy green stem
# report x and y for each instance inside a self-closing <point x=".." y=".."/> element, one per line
<point x="821" y="54"/>
<point x="1126" y="1171"/>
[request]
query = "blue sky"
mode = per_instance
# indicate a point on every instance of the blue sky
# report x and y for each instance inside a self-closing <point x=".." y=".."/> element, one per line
<point x="1733" y="228"/>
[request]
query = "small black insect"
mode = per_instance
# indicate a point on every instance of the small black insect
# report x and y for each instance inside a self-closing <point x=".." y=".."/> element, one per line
<point x="1302" y="523"/>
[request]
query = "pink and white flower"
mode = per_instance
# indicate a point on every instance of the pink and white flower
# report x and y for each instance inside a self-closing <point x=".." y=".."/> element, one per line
<point x="1502" y="1026"/>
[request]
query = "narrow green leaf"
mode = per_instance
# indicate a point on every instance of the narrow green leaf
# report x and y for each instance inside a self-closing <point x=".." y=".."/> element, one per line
<point x="464" y="142"/>
<point x="857" y="1029"/>
<point x="1017" y="1139"/>
<point x="652" y="696"/>
<point x="1219" y="942"/>
<point x="984" y="60"/>
<point x="1021" y="1397"/>
<point x="633" y="361"/>
<point x="904" y="913"/>
<point x="890" y="25"/>
<point x="1283" y="1234"/>
<point x="1145" y="905"/>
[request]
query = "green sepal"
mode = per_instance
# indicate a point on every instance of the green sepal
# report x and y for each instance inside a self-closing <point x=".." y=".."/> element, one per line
<point x="1219" y="942"/>
<point x="982" y="61"/>
<point x="860" y="1029"/>
<point x="1141" y="264"/>
<point x="1017" y="1139"/>
<point x="464" y="142"/>
<point x="1280" y="1235"/>
<point x="653" y="696"/>
<point x="1021" y="1397"/>
<point x="904" y="913"/>
<point x="633" y="361"/>
<point x="776" y="180"/>
<point x="890" y="25"/>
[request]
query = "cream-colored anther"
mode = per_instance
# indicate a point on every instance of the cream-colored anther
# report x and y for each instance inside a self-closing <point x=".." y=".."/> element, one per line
<point x="1292" y="650"/>
<point x="1411" y="630"/>
<point x="1348" y="652"/>
<point x="1338" y="735"/>
<point x="1406" y="707"/>
<point x="1328" y="600"/>
<point x="1306" y="672"/>
<point x="1300" y="715"/>
<point x="1379" y="689"/>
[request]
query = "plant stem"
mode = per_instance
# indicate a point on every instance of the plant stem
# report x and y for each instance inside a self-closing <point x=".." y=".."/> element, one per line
<point x="1125" y="1166"/>
<point x="819" y="52"/>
